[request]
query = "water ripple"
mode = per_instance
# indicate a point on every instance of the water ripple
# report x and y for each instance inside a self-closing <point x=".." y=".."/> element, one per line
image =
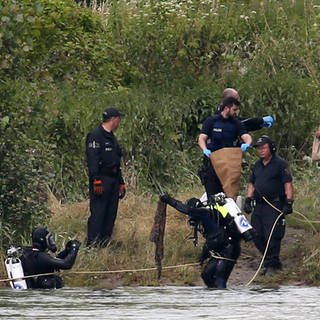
<point x="162" y="303"/>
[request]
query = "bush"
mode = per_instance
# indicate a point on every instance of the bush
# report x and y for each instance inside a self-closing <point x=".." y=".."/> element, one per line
<point x="165" y="64"/>
<point x="25" y="169"/>
<point x="54" y="40"/>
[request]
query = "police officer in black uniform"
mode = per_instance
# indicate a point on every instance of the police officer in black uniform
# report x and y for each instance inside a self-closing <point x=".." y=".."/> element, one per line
<point x="270" y="192"/>
<point x="220" y="131"/>
<point x="106" y="184"/>
<point x="36" y="260"/>
<point x="251" y="124"/>
<point x="222" y="246"/>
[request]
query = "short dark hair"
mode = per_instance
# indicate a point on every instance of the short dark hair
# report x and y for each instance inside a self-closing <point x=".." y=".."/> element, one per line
<point x="230" y="101"/>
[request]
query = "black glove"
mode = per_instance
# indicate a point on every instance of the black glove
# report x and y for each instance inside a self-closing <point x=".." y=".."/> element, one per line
<point x="248" y="205"/>
<point x="73" y="245"/>
<point x="165" y="198"/>
<point x="170" y="201"/>
<point x="287" y="208"/>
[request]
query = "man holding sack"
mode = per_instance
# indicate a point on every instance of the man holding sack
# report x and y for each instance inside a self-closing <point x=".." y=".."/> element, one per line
<point x="218" y="140"/>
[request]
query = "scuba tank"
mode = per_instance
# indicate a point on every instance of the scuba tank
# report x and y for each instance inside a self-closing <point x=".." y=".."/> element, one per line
<point x="227" y="206"/>
<point x="14" y="269"/>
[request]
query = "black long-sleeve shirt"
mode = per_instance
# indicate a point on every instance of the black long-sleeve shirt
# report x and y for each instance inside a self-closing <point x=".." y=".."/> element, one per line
<point x="103" y="154"/>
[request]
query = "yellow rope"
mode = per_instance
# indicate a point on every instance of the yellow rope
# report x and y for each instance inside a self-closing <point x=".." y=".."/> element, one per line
<point x="134" y="270"/>
<point x="311" y="256"/>
<point x="306" y="219"/>
<point x="103" y="272"/>
<point x="310" y="221"/>
<point x="217" y="256"/>
<point x="268" y="242"/>
<point x="265" y="252"/>
<point x="27" y="277"/>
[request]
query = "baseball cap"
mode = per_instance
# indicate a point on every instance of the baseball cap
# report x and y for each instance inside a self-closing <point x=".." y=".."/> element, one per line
<point x="263" y="140"/>
<point x="112" y="112"/>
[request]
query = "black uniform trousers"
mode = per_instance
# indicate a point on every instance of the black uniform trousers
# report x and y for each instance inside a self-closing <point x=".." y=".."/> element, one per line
<point x="103" y="210"/>
<point x="209" y="178"/>
<point x="262" y="220"/>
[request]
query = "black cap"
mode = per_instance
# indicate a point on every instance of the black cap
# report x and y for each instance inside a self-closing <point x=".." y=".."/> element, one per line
<point x="263" y="140"/>
<point x="111" y="112"/>
<point x="230" y="101"/>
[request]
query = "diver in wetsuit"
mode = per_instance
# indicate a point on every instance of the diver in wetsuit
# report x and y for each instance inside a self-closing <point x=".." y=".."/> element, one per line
<point x="222" y="246"/>
<point x="36" y="260"/>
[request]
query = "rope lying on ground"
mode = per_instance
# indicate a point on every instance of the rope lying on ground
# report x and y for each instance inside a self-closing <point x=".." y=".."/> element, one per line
<point x="310" y="222"/>
<point x="271" y="232"/>
<point x="135" y="270"/>
<point x="105" y="272"/>
<point x="265" y="251"/>
<point x="269" y="239"/>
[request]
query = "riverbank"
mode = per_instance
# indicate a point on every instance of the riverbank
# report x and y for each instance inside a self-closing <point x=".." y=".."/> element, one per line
<point x="131" y="250"/>
<point x="248" y="264"/>
<point x="129" y="259"/>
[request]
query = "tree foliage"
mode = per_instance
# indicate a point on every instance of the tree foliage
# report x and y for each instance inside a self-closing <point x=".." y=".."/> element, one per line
<point x="165" y="64"/>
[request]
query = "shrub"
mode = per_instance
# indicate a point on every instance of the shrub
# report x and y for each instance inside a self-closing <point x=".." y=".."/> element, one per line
<point x="25" y="170"/>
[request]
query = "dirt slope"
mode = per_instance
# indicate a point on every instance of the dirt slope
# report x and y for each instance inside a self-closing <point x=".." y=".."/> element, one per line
<point x="250" y="259"/>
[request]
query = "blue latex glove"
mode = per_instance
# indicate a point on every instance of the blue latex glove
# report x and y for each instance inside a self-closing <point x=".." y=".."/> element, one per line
<point x="245" y="147"/>
<point x="268" y="121"/>
<point x="207" y="152"/>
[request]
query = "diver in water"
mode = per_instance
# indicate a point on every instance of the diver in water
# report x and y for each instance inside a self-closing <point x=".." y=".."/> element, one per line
<point x="36" y="260"/>
<point x="222" y="232"/>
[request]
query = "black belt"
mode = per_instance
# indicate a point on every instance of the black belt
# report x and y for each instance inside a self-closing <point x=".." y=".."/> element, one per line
<point x="114" y="171"/>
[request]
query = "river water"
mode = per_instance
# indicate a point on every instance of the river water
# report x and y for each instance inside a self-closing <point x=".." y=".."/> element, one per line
<point x="169" y="302"/>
